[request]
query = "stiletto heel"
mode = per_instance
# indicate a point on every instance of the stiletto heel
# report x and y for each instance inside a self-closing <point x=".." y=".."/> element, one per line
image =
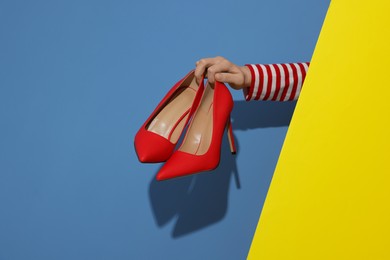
<point x="229" y="131"/>
<point x="157" y="137"/>
<point x="201" y="147"/>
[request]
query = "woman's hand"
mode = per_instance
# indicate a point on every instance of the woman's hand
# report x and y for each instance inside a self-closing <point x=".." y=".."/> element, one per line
<point x="220" y="69"/>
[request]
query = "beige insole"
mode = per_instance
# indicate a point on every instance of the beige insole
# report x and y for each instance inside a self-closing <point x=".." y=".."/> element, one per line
<point x="199" y="134"/>
<point x="171" y="120"/>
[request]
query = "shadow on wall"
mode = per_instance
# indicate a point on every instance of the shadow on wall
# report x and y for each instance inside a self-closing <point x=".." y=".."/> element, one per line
<point x="201" y="200"/>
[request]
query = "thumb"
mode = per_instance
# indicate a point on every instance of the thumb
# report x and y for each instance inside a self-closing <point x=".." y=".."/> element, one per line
<point x="233" y="79"/>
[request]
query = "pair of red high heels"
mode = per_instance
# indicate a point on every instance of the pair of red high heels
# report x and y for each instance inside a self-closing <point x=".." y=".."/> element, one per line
<point x="206" y="109"/>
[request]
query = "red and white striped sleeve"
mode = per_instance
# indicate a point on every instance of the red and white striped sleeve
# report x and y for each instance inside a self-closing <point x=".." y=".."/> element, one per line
<point x="276" y="82"/>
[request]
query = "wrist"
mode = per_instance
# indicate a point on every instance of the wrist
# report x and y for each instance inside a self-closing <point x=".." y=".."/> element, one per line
<point x="247" y="76"/>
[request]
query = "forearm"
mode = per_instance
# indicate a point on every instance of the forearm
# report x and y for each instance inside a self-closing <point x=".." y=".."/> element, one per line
<point x="276" y="82"/>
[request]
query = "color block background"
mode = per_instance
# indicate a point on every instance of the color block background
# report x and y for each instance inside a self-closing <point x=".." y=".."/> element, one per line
<point x="329" y="198"/>
<point x="78" y="78"/>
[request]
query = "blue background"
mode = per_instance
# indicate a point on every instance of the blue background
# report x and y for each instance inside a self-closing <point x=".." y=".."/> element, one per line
<point x="77" y="80"/>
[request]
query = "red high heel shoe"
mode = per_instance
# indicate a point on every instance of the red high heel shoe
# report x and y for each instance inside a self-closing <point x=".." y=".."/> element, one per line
<point x="157" y="137"/>
<point x="201" y="147"/>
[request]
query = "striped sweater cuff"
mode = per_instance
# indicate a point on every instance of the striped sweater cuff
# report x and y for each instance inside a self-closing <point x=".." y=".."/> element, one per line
<point x="276" y="82"/>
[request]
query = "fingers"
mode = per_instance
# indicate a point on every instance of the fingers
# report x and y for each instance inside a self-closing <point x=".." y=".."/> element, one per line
<point x="203" y="65"/>
<point x="221" y="67"/>
<point x="212" y="66"/>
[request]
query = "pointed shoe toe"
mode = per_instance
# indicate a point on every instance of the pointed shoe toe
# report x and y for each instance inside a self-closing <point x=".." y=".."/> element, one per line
<point x="183" y="164"/>
<point x="152" y="148"/>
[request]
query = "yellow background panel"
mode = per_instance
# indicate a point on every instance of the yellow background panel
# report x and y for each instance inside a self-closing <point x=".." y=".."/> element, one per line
<point x="330" y="195"/>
